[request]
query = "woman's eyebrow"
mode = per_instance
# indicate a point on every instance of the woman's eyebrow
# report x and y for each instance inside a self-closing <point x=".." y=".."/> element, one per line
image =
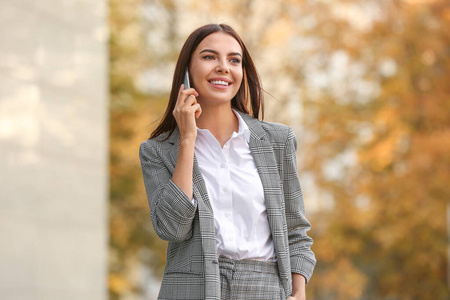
<point x="217" y="53"/>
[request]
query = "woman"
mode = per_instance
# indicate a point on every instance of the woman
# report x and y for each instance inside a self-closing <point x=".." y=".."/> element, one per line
<point x="222" y="186"/>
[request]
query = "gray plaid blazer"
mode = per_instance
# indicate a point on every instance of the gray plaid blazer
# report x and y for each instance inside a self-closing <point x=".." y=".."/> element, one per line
<point x="192" y="269"/>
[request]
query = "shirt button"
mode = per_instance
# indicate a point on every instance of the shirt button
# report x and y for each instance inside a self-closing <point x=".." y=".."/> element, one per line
<point x="227" y="214"/>
<point x="222" y="165"/>
<point x="225" y="189"/>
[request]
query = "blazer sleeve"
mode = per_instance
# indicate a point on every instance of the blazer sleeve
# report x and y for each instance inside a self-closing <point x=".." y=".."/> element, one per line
<point x="171" y="210"/>
<point x="301" y="256"/>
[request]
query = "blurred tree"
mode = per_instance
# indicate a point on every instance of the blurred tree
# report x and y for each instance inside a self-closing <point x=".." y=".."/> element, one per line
<point x="365" y="86"/>
<point x="132" y="241"/>
<point x="381" y="147"/>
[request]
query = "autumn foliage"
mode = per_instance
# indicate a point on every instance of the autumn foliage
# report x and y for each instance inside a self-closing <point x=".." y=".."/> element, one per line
<point x="365" y="85"/>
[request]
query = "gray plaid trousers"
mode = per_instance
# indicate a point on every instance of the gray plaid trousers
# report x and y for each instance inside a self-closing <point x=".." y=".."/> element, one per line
<point x="249" y="280"/>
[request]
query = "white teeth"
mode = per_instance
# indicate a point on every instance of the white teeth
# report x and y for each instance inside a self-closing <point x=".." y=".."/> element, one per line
<point x="219" y="82"/>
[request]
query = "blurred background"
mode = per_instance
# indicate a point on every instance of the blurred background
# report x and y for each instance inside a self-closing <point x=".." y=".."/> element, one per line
<point x="364" y="84"/>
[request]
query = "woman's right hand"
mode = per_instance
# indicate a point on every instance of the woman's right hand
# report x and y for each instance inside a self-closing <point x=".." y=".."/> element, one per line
<point x="186" y="111"/>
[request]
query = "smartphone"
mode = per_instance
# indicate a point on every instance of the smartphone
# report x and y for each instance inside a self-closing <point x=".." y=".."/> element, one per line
<point x="186" y="82"/>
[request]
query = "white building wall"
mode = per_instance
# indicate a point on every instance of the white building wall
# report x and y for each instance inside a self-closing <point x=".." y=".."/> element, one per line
<point x="53" y="149"/>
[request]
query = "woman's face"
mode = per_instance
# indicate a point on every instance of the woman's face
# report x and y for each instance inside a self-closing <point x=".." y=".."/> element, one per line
<point x="216" y="69"/>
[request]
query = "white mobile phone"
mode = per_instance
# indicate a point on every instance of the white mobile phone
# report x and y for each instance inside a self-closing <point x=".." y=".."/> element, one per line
<point x="187" y="84"/>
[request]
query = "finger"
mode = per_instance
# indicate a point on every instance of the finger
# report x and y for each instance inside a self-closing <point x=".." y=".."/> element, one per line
<point x="183" y="95"/>
<point x="198" y="112"/>
<point x="180" y="89"/>
<point x="196" y="109"/>
<point x="181" y="101"/>
<point x="191" y="91"/>
<point x="187" y="92"/>
<point x="186" y="105"/>
<point x="189" y="100"/>
<point x="177" y="103"/>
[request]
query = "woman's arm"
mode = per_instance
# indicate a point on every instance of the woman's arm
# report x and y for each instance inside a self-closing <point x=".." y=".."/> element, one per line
<point x="171" y="210"/>
<point x="185" y="112"/>
<point x="182" y="175"/>
<point x="301" y="257"/>
<point x="170" y="195"/>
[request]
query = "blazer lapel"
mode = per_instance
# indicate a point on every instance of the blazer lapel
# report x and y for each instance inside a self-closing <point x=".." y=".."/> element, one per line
<point x="266" y="164"/>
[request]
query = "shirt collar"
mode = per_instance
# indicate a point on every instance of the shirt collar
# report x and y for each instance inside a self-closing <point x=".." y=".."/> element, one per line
<point x="243" y="128"/>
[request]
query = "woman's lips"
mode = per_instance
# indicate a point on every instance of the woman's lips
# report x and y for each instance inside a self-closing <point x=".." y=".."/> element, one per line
<point x="220" y="86"/>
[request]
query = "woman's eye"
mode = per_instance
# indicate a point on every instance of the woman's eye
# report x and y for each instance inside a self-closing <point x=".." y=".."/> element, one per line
<point x="208" y="57"/>
<point x="235" y="60"/>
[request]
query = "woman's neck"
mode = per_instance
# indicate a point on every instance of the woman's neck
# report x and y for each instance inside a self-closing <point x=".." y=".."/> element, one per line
<point x="220" y="121"/>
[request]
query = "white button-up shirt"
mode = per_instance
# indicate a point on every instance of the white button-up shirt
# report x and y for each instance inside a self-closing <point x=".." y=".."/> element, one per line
<point x="236" y="194"/>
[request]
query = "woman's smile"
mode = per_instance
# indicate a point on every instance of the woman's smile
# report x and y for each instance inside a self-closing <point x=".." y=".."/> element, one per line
<point x="220" y="83"/>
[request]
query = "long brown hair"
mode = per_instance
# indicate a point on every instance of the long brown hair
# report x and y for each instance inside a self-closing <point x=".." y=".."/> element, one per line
<point x="250" y="86"/>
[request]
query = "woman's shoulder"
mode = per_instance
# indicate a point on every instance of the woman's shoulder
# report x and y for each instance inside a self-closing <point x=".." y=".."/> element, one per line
<point x="275" y="127"/>
<point x="157" y="143"/>
<point x="268" y="127"/>
<point x="276" y="132"/>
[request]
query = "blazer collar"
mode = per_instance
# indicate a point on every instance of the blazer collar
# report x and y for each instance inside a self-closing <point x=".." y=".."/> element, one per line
<point x="256" y="130"/>
<point x="174" y="141"/>
<point x="174" y="138"/>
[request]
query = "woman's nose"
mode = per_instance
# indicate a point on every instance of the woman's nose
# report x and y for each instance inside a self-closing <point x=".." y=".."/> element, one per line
<point x="222" y="66"/>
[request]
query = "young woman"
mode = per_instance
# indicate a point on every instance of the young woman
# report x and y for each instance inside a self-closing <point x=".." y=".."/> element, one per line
<point x="222" y="185"/>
